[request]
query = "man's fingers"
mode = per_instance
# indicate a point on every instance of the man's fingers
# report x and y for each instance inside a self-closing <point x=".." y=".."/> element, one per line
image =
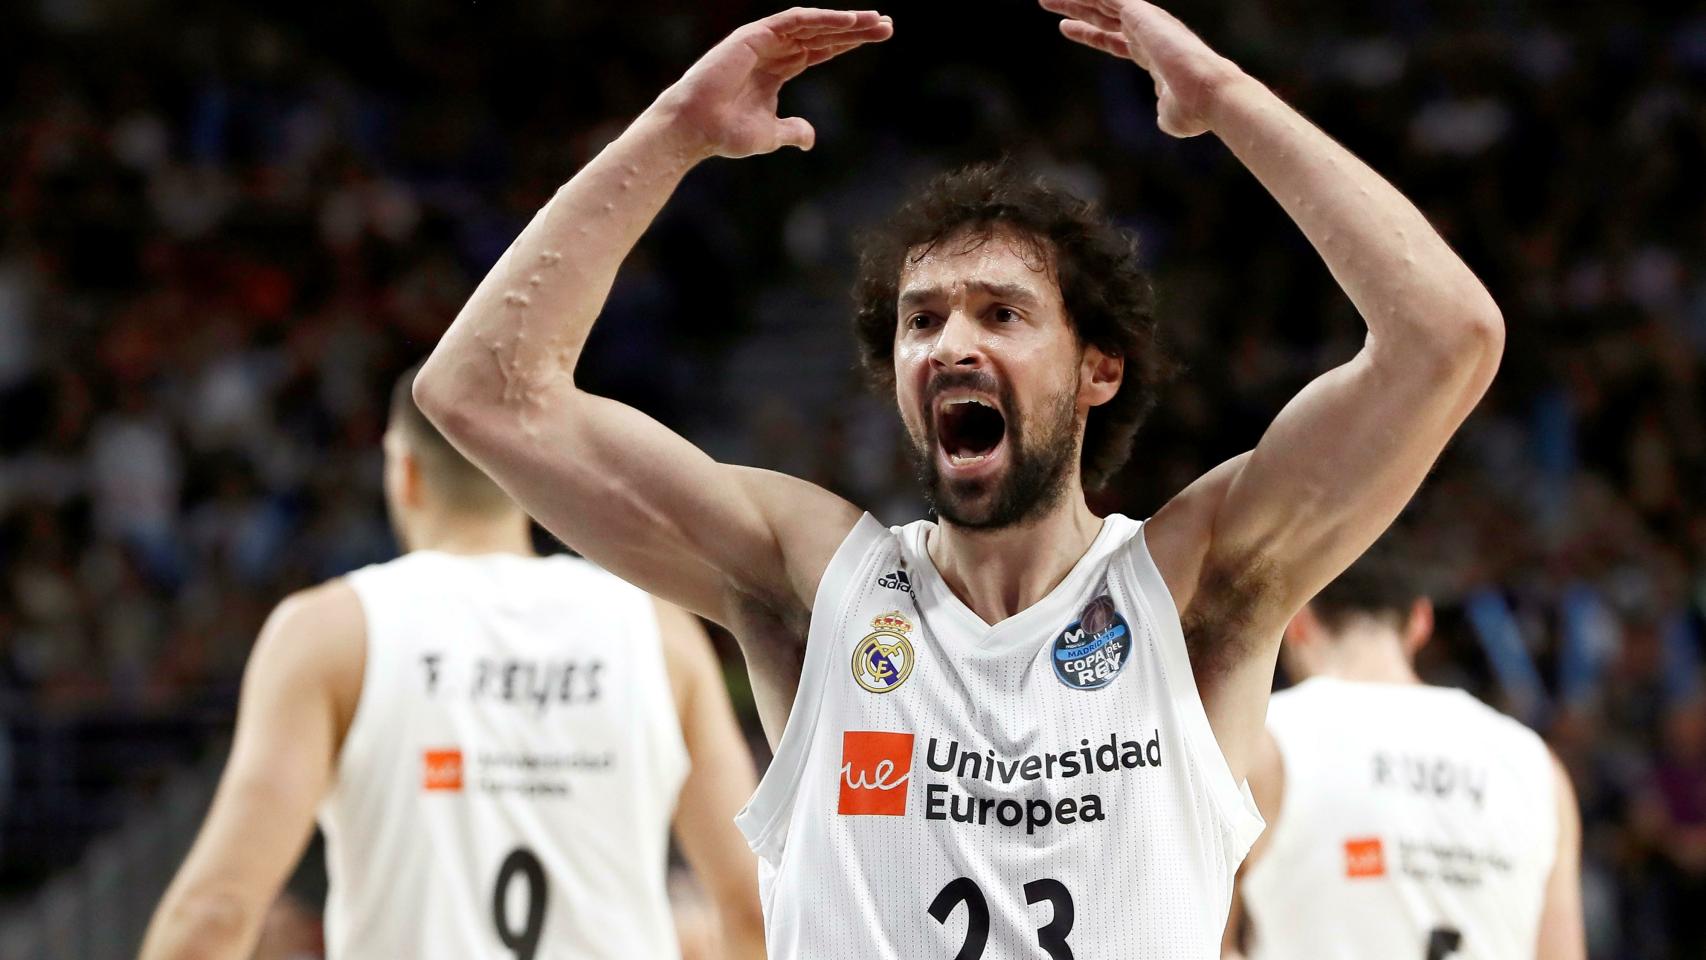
<point x="787" y="57"/>
<point x="792" y="61"/>
<point x="1083" y="10"/>
<point x="795" y="132"/>
<point x="818" y="54"/>
<point x="800" y="24"/>
<point x="1107" y="41"/>
<point x="880" y="30"/>
<point x="789" y="21"/>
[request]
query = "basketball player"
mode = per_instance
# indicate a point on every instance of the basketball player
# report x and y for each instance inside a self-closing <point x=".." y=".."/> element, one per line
<point x="494" y="741"/>
<point x="1021" y="728"/>
<point x="1403" y="820"/>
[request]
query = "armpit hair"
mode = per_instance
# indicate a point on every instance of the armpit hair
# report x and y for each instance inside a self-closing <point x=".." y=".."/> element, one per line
<point x="1229" y="598"/>
<point x="772" y="626"/>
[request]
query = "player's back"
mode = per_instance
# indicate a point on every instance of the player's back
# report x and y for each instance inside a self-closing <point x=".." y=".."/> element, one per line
<point x="1415" y="822"/>
<point x="509" y="777"/>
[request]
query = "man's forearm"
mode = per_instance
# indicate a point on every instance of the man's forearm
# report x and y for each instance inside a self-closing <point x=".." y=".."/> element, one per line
<point x="1409" y="286"/>
<point x="205" y="926"/>
<point x="522" y="331"/>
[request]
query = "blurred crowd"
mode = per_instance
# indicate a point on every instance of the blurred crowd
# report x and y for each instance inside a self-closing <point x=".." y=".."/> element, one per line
<point x="223" y="229"/>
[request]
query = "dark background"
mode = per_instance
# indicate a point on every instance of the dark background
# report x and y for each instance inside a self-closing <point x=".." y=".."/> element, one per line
<point x="224" y="229"/>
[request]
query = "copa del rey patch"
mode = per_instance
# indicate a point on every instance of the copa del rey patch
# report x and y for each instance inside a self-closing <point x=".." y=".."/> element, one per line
<point x="1093" y="649"/>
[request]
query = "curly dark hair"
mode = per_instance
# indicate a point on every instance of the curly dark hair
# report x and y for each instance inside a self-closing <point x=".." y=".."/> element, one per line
<point x="1109" y="298"/>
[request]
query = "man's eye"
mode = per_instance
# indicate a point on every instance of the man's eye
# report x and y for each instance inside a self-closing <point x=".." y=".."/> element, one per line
<point x="918" y="321"/>
<point x="1004" y="315"/>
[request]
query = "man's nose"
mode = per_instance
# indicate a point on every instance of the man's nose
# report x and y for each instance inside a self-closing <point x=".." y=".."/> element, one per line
<point x="959" y="344"/>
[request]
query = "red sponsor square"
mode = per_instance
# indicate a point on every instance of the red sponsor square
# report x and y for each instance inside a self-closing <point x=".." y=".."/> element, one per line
<point x="876" y="768"/>
<point x="443" y="769"/>
<point x="1364" y="857"/>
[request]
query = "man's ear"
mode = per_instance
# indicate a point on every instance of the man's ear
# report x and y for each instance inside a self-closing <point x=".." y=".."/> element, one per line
<point x="1304" y="628"/>
<point x="1100" y="376"/>
<point x="1300" y="650"/>
<point x="1418" y="626"/>
<point x="413" y="493"/>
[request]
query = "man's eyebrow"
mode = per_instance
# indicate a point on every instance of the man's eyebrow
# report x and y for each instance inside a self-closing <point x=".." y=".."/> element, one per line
<point x="1009" y="292"/>
<point x="918" y="296"/>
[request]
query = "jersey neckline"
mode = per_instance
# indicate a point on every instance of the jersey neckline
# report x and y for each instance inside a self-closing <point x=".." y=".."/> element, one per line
<point x="932" y="593"/>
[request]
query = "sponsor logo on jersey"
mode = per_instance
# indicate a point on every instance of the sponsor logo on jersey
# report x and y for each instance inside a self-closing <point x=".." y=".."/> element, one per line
<point x="883" y="660"/>
<point x="442" y="769"/>
<point x="876" y="770"/>
<point x="1364" y="857"/>
<point x="876" y="776"/>
<point x="1093" y="649"/>
<point x="972" y="770"/>
<point x="896" y="580"/>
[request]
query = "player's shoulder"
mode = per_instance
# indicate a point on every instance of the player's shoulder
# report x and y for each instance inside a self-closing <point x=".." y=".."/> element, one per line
<point x="332" y="607"/>
<point x="810" y="525"/>
<point x="1180" y="534"/>
<point x="1497" y="725"/>
<point x="313" y="635"/>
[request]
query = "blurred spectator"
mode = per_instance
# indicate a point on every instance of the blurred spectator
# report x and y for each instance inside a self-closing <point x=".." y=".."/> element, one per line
<point x="1672" y="819"/>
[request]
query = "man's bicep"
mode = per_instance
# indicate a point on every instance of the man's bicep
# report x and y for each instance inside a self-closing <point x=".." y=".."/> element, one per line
<point x="640" y="500"/>
<point x="1332" y="471"/>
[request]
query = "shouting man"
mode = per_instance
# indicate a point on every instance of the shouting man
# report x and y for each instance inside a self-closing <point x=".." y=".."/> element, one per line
<point x="1021" y="727"/>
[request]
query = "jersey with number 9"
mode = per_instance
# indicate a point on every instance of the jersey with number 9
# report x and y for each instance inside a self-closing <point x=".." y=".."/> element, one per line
<point x="507" y="783"/>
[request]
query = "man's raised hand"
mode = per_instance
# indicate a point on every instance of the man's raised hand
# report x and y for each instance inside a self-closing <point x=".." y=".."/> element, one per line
<point x="726" y="103"/>
<point x="1188" y="75"/>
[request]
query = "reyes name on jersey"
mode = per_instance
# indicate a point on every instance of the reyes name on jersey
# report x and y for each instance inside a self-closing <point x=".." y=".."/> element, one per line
<point x="1046" y="787"/>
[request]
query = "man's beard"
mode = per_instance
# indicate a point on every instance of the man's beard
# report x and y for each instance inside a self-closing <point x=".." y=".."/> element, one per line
<point x="1037" y="470"/>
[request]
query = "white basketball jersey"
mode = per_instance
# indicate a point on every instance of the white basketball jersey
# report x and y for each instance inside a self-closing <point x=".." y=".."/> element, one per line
<point x="1048" y="787"/>
<point x="1415" y="822"/>
<point x="507" y="784"/>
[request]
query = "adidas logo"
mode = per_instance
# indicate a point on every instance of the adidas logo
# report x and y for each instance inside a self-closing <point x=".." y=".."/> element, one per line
<point x="895" y="581"/>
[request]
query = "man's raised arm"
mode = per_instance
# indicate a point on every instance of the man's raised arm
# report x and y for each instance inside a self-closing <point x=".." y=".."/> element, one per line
<point x="1246" y="546"/>
<point x="614" y="484"/>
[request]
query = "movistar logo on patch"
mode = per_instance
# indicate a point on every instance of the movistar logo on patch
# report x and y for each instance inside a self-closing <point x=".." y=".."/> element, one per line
<point x="1093" y="649"/>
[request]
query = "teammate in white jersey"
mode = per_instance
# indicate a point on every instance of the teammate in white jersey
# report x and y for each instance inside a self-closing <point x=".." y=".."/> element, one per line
<point x="1021" y="729"/>
<point x="1404" y="820"/>
<point x="494" y="743"/>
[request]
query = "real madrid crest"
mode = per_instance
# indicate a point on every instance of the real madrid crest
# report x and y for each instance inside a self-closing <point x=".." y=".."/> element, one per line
<point x="883" y="660"/>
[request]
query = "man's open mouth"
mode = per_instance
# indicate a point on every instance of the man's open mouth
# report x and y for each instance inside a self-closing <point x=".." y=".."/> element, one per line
<point x="969" y="429"/>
